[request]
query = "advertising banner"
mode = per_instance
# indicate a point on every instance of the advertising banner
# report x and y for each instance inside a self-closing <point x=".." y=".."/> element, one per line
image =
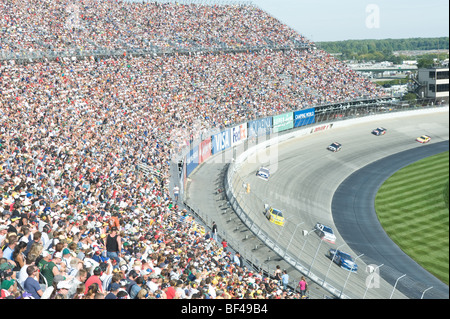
<point x="283" y="122"/>
<point x="238" y="134"/>
<point x="205" y="150"/>
<point x="220" y="141"/>
<point x="304" y="117"/>
<point x="192" y="160"/>
<point x="260" y="127"/>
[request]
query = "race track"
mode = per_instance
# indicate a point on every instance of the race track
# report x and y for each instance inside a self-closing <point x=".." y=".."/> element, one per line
<point x="303" y="184"/>
<point x="356" y="220"/>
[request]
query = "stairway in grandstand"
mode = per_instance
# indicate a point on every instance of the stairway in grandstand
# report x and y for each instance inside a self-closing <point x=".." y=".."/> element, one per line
<point x="148" y="170"/>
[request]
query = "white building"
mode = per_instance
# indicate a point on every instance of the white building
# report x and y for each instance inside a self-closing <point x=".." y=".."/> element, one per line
<point x="434" y="83"/>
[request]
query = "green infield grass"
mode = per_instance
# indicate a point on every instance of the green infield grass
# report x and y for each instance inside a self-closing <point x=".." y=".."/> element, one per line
<point x="412" y="206"/>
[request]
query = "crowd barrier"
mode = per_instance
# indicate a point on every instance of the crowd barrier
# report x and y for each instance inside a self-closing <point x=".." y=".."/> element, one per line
<point x="248" y="138"/>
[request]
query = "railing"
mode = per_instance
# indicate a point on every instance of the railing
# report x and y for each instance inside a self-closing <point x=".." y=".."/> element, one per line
<point x="78" y="53"/>
<point x="232" y="201"/>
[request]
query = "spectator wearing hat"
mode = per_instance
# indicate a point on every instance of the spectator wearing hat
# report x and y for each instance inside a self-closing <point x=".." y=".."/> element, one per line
<point x="66" y="259"/>
<point x="15" y="220"/>
<point x="153" y="283"/>
<point x="57" y="259"/>
<point x="9" y="286"/>
<point x="48" y="266"/>
<point x="168" y="289"/>
<point x="180" y="291"/>
<point x="31" y="284"/>
<point x="62" y="289"/>
<point x="98" y="256"/>
<point x="113" y="290"/>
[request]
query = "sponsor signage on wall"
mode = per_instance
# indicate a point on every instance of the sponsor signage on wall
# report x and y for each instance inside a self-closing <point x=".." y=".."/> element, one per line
<point x="260" y="127"/>
<point x="238" y="134"/>
<point x="283" y="122"/>
<point x="220" y="141"/>
<point x="304" y="117"/>
<point x="192" y="160"/>
<point x="204" y="150"/>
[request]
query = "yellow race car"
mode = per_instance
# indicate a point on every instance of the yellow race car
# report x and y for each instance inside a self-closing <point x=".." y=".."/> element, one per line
<point x="275" y="216"/>
<point x="423" y="139"/>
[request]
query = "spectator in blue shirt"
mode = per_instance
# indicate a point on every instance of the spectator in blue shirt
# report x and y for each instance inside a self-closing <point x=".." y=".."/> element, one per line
<point x="8" y="251"/>
<point x="31" y="284"/>
<point x="285" y="279"/>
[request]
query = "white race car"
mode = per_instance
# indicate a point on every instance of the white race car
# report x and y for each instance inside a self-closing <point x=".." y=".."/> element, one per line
<point x="263" y="173"/>
<point x="325" y="232"/>
<point x="334" y="147"/>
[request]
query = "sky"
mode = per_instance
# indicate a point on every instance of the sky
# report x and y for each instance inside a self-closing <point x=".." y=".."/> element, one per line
<point x="337" y="20"/>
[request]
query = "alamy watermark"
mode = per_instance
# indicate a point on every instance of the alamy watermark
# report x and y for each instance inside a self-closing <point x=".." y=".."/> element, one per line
<point x="373" y="16"/>
<point x="73" y="20"/>
<point x="373" y="277"/>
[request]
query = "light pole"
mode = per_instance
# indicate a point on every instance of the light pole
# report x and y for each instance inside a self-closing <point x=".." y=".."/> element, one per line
<point x="306" y="240"/>
<point x="332" y="259"/>
<point x="425" y="291"/>
<point x="315" y="255"/>
<point x="281" y="230"/>
<point x="349" y="273"/>
<point x="392" y="293"/>
<point x="262" y="219"/>
<point x="292" y="238"/>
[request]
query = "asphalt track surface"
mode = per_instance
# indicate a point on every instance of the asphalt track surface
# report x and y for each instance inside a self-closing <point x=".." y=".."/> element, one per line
<point x="305" y="180"/>
<point x="356" y="220"/>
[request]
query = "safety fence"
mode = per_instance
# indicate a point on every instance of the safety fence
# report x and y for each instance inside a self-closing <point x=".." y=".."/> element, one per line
<point x="300" y="254"/>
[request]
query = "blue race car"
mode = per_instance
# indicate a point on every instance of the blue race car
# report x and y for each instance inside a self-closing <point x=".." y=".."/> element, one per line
<point x="343" y="259"/>
<point x="379" y="131"/>
<point x="263" y="173"/>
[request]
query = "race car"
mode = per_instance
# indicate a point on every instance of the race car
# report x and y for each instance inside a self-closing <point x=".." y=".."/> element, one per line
<point x="263" y="173"/>
<point x="325" y="232"/>
<point x="334" y="147"/>
<point x="379" y="131"/>
<point x="423" y="139"/>
<point x="274" y="215"/>
<point x="344" y="260"/>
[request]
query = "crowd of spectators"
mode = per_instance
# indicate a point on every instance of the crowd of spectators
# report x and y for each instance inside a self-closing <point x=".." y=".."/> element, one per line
<point x="78" y="220"/>
<point x="60" y="25"/>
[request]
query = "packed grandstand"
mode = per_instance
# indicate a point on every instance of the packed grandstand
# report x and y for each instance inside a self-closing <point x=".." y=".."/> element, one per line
<point x="73" y="131"/>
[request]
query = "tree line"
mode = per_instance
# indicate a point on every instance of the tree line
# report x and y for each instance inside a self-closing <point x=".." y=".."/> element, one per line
<point x="382" y="50"/>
